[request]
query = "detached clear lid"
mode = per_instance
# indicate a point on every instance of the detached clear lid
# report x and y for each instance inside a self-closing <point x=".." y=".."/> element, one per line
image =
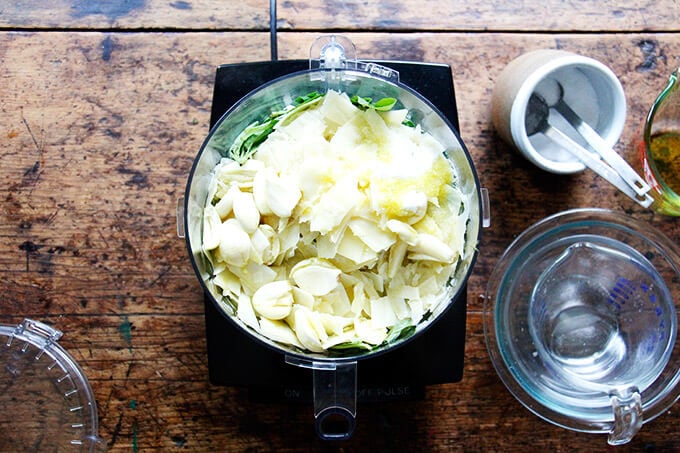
<point x="46" y="401"/>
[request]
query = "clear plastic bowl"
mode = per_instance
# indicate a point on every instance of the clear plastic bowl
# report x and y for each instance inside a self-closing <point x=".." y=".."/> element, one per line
<point x="47" y="402"/>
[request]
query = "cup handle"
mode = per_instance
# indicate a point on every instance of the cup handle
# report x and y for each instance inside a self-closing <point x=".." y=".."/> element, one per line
<point x="627" y="408"/>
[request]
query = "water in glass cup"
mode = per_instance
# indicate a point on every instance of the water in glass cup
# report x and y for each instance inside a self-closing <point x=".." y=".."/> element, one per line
<point x="602" y="320"/>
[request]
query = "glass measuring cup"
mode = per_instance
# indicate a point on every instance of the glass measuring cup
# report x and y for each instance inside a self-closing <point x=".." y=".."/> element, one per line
<point x="604" y="324"/>
<point x="659" y="149"/>
<point x="580" y="321"/>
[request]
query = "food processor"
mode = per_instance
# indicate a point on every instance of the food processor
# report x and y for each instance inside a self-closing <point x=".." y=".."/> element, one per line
<point x="240" y="356"/>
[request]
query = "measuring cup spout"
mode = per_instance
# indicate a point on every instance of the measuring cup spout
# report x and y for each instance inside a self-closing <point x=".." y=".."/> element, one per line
<point x="627" y="408"/>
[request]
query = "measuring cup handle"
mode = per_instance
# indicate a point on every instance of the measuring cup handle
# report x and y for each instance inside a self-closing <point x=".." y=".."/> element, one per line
<point x="627" y="408"/>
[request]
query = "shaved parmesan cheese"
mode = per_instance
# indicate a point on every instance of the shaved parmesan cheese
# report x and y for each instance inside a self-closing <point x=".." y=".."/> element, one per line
<point x="279" y="331"/>
<point x="342" y="226"/>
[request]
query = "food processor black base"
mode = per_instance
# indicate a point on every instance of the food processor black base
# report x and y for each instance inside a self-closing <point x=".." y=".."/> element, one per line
<point x="434" y="357"/>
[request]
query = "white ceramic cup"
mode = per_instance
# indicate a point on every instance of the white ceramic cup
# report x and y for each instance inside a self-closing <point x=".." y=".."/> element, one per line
<point x="589" y="87"/>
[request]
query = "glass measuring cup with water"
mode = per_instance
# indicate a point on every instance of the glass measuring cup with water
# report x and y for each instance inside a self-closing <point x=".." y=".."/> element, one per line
<point x="581" y="323"/>
<point x="604" y="323"/>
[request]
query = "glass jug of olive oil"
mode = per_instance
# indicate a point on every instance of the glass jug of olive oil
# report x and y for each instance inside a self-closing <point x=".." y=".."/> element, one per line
<point x="659" y="149"/>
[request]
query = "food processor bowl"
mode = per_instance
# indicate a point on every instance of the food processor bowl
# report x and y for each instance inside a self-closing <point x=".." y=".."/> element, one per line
<point x="334" y="68"/>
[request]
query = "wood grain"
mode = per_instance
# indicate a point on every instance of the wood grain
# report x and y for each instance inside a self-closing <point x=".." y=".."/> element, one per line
<point x="135" y="14"/>
<point x="300" y="15"/>
<point x="98" y="131"/>
<point x="494" y="15"/>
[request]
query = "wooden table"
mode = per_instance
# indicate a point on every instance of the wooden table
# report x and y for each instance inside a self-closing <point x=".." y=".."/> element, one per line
<point x="104" y="106"/>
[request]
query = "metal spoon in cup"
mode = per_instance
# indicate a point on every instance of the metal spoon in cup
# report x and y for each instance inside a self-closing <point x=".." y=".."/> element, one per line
<point x="537" y="121"/>
<point x="598" y="144"/>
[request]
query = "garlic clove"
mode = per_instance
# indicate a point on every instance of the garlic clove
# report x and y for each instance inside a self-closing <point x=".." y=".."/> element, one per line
<point x="429" y="247"/>
<point x="234" y="246"/>
<point x="282" y="196"/>
<point x="266" y="245"/>
<point x="273" y="300"/>
<point x="406" y="232"/>
<point x="317" y="277"/>
<point x="260" y="191"/>
<point x="225" y="205"/>
<point x="245" y="211"/>
<point x="308" y="328"/>
<point x="275" y="195"/>
<point x="212" y="225"/>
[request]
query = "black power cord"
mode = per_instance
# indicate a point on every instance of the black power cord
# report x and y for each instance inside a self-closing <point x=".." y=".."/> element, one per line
<point x="272" y="30"/>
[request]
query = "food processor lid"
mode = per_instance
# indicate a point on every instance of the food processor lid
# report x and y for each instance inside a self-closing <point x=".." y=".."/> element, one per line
<point x="47" y="401"/>
<point x="331" y="53"/>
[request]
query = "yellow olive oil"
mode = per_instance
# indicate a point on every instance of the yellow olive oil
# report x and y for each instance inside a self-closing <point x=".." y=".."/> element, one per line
<point x="664" y="150"/>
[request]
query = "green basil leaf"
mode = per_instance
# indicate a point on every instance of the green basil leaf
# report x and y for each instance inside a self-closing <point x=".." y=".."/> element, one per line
<point x="385" y="104"/>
